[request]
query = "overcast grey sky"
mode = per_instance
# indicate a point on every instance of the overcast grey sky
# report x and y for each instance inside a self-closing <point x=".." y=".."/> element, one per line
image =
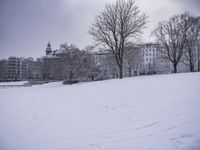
<point x="27" y="25"/>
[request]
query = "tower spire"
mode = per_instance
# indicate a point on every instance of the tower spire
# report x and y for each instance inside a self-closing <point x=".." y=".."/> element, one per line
<point x="48" y="49"/>
<point x="49" y="44"/>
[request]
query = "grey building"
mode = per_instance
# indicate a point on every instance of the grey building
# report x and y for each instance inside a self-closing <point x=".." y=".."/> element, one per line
<point x="17" y="68"/>
<point x="151" y="59"/>
<point x="3" y="69"/>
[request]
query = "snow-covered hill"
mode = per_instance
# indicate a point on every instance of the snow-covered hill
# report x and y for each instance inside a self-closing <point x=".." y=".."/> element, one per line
<point x="160" y="112"/>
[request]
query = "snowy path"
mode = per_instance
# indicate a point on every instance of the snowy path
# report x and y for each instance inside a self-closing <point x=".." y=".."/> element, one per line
<point x="141" y="113"/>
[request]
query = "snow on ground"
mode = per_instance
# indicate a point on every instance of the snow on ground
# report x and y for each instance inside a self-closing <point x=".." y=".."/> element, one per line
<point x="160" y="112"/>
<point x="13" y="83"/>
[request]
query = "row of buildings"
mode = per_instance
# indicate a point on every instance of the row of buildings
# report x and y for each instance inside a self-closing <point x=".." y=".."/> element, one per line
<point x="139" y="59"/>
<point x="151" y="59"/>
<point x="19" y="68"/>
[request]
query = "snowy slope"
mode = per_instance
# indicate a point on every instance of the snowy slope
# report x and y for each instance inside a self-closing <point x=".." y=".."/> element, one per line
<point x="160" y="112"/>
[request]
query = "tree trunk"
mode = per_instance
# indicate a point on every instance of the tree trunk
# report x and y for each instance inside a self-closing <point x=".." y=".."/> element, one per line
<point x="129" y="71"/>
<point x="120" y="65"/>
<point x="198" y="58"/>
<point x="70" y="77"/>
<point x="198" y="64"/>
<point x="120" y="71"/>
<point x="175" y="68"/>
<point x="191" y="61"/>
<point x="191" y="67"/>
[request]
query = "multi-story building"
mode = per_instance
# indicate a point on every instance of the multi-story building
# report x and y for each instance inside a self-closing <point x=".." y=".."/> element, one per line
<point x="29" y="62"/>
<point x="15" y="68"/>
<point x="138" y="59"/>
<point x="37" y="69"/>
<point x="106" y="64"/>
<point x="3" y="69"/>
<point x="18" y="68"/>
<point x="151" y="59"/>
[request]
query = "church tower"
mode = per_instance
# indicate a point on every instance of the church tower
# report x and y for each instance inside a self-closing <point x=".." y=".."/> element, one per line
<point x="48" y="49"/>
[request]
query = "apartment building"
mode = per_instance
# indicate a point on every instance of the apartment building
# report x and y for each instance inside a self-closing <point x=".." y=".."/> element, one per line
<point x="15" y="68"/>
<point x="18" y="68"/>
<point x="151" y="59"/>
<point x="3" y="69"/>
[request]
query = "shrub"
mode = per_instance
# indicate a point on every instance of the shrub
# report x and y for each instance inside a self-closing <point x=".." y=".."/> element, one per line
<point x="72" y="82"/>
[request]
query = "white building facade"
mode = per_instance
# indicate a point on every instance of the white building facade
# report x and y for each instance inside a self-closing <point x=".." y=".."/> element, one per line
<point x="151" y="59"/>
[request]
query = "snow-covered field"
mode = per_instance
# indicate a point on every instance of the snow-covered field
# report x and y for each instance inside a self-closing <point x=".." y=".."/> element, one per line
<point x="13" y="83"/>
<point x="160" y="112"/>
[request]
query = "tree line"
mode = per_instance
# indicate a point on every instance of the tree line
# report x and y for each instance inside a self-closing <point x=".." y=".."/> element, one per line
<point x="69" y="64"/>
<point x="180" y="40"/>
<point x="121" y="23"/>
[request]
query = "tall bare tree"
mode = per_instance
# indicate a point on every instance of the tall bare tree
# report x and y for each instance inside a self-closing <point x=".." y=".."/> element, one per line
<point x="198" y="53"/>
<point x="191" y="45"/>
<point x="115" y="25"/>
<point x="198" y="46"/>
<point x="171" y="35"/>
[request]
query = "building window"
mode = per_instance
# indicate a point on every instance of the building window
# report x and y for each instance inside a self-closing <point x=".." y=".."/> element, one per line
<point x="146" y="59"/>
<point x="146" y="54"/>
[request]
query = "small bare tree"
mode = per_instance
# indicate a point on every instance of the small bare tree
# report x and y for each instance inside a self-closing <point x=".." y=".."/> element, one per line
<point x="90" y="69"/>
<point x="171" y="35"/>
<point x="115" y="26"/>
<point x="73" y="60"/>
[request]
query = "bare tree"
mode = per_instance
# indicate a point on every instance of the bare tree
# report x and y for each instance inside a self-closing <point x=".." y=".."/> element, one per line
<point x="171" y="35"/>
<point x="90" y="69"/>
<point x="73" y="60"/>
<point x="115" y="26"/>
<point x="198" y="46"/>
<point x="191" y="45"/>
<point x="198" y="52"/>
